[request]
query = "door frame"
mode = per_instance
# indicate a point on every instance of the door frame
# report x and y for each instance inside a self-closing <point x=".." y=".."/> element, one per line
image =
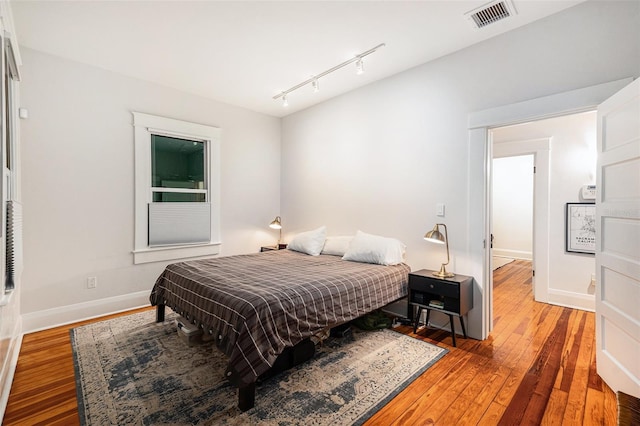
<point x="480" y="123"/>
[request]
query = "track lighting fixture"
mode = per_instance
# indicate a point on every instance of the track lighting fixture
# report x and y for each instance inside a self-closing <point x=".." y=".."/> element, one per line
<point x="314" y="81"/>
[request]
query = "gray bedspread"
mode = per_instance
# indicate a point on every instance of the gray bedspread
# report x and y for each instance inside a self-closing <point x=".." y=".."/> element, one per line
<point x="255" y="305"/>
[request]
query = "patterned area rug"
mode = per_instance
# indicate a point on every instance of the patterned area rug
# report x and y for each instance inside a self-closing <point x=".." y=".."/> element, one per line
<point x="499" y="262"/>
<point x="130" y="370"/>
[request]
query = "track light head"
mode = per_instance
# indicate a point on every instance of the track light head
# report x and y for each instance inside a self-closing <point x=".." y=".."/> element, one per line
<point x="359" y="67"/>
<point x="316" y="85"/>
<point x="285" y="102"/>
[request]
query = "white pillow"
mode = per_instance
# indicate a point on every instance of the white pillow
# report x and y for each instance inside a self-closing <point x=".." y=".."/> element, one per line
<point x="369" y="248"/>
<point x="310" y="242"/>
<point x="336" y="246"/>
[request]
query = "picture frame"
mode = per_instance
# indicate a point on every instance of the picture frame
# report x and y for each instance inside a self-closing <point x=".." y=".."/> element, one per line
<point x="580" y="228"/>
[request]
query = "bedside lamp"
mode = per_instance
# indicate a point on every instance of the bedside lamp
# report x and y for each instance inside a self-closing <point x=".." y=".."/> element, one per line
<point x="435" y="236"/>
<point x="277" y="224"/>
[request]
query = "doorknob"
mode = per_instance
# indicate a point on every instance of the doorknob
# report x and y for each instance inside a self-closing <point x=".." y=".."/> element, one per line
<point x="491" y="246"/>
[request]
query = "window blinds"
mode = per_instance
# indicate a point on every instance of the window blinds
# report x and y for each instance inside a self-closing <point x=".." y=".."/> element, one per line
<point x="179" y="223"/>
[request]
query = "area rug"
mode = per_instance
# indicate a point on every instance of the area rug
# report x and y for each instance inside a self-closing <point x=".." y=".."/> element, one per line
<point x="131" y="370"/>
<point x="499" y="262"/>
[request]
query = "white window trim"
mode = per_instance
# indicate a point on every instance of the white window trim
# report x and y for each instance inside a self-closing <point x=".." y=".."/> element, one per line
<point x="144" y="126"/>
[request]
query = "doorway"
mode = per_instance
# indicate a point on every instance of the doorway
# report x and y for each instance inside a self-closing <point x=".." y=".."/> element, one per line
<point x="560" y="277"/>
<point x="525" y="200"/>
<point x="480" y="148"/>
<point x="512" y="209"/>
<point x="512" y="220"/>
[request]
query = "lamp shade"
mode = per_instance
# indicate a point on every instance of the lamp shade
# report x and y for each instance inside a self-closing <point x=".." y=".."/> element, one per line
<point x="276" y="223"/>
<point x="435" y="236"/>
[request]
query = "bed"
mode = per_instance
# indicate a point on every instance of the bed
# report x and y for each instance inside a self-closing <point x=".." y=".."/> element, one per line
<point x="256" y="305"/>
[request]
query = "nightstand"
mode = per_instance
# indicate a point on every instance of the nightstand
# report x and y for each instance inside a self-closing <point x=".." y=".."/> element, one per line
<point x="451" y="296"/>
<point x="269" y="248"/>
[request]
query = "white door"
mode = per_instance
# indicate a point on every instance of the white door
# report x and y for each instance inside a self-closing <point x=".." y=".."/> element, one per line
<point x="618" y="241"/>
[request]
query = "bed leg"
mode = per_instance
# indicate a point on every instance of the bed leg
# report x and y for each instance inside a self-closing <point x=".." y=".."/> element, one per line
<point x="160" y="313"/>
<point x="247" y="397"/>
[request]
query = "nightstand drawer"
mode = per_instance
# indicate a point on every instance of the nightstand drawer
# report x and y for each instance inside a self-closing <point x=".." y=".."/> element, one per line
<point x="434" y="286"/>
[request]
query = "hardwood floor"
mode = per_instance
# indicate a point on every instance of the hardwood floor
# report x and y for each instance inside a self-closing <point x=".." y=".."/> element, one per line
<point x="537" y="367"/>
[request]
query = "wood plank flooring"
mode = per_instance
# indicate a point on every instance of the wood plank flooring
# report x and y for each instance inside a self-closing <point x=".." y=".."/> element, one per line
<point x="536" y="368"/>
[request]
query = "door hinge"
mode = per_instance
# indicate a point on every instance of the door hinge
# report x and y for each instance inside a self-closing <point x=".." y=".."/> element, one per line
<point x="534" y="272"/>
<point x="534" y="169"/>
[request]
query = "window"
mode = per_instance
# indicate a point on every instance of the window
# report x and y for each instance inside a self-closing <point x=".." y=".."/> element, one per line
<point x="177" y="189"/>
<point x="11" y="230"/>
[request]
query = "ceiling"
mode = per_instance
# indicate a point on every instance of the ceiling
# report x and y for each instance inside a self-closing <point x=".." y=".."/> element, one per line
<point x="245" y="52"/>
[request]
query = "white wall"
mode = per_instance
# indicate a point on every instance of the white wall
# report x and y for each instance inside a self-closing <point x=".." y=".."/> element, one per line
<point x="78" y="187"/>
<point x="573" y="164"/>
<point x="513" y="206"/>
<point x="381" y="157"/>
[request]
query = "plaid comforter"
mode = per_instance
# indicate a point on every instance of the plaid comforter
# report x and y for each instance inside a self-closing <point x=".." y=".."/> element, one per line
<point x="255" y="305"/>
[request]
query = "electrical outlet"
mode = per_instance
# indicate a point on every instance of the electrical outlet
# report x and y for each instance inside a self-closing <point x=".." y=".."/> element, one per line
<point x="92" y="282"/>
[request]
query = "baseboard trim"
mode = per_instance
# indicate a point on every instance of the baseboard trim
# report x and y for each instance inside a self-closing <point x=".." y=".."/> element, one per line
<point x="49" y="318"/>
<point x="514" y="254"/>
<point x="9" y="368"/>
<point x="585" y="302"/>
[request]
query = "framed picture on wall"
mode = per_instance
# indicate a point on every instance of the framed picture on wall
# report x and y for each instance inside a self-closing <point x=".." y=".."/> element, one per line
<point x="580" y="228"/>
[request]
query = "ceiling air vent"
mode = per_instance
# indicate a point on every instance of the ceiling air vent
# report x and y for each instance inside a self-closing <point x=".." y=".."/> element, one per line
<point x="491" y="12"/>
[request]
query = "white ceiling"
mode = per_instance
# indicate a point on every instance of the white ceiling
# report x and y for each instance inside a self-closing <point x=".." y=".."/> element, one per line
<point x="245" y="52"/>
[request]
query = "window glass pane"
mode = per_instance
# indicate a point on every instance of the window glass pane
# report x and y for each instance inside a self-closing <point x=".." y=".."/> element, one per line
<point x="159" y="197"/>
<point x="177" y="163"/>
<point x="7" y="127"/>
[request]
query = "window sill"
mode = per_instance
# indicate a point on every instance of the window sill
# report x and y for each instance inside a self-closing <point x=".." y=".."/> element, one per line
<point x="159" y="254"/>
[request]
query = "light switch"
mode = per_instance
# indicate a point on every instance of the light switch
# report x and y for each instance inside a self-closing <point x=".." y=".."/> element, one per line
<point x="440" y="209"/>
